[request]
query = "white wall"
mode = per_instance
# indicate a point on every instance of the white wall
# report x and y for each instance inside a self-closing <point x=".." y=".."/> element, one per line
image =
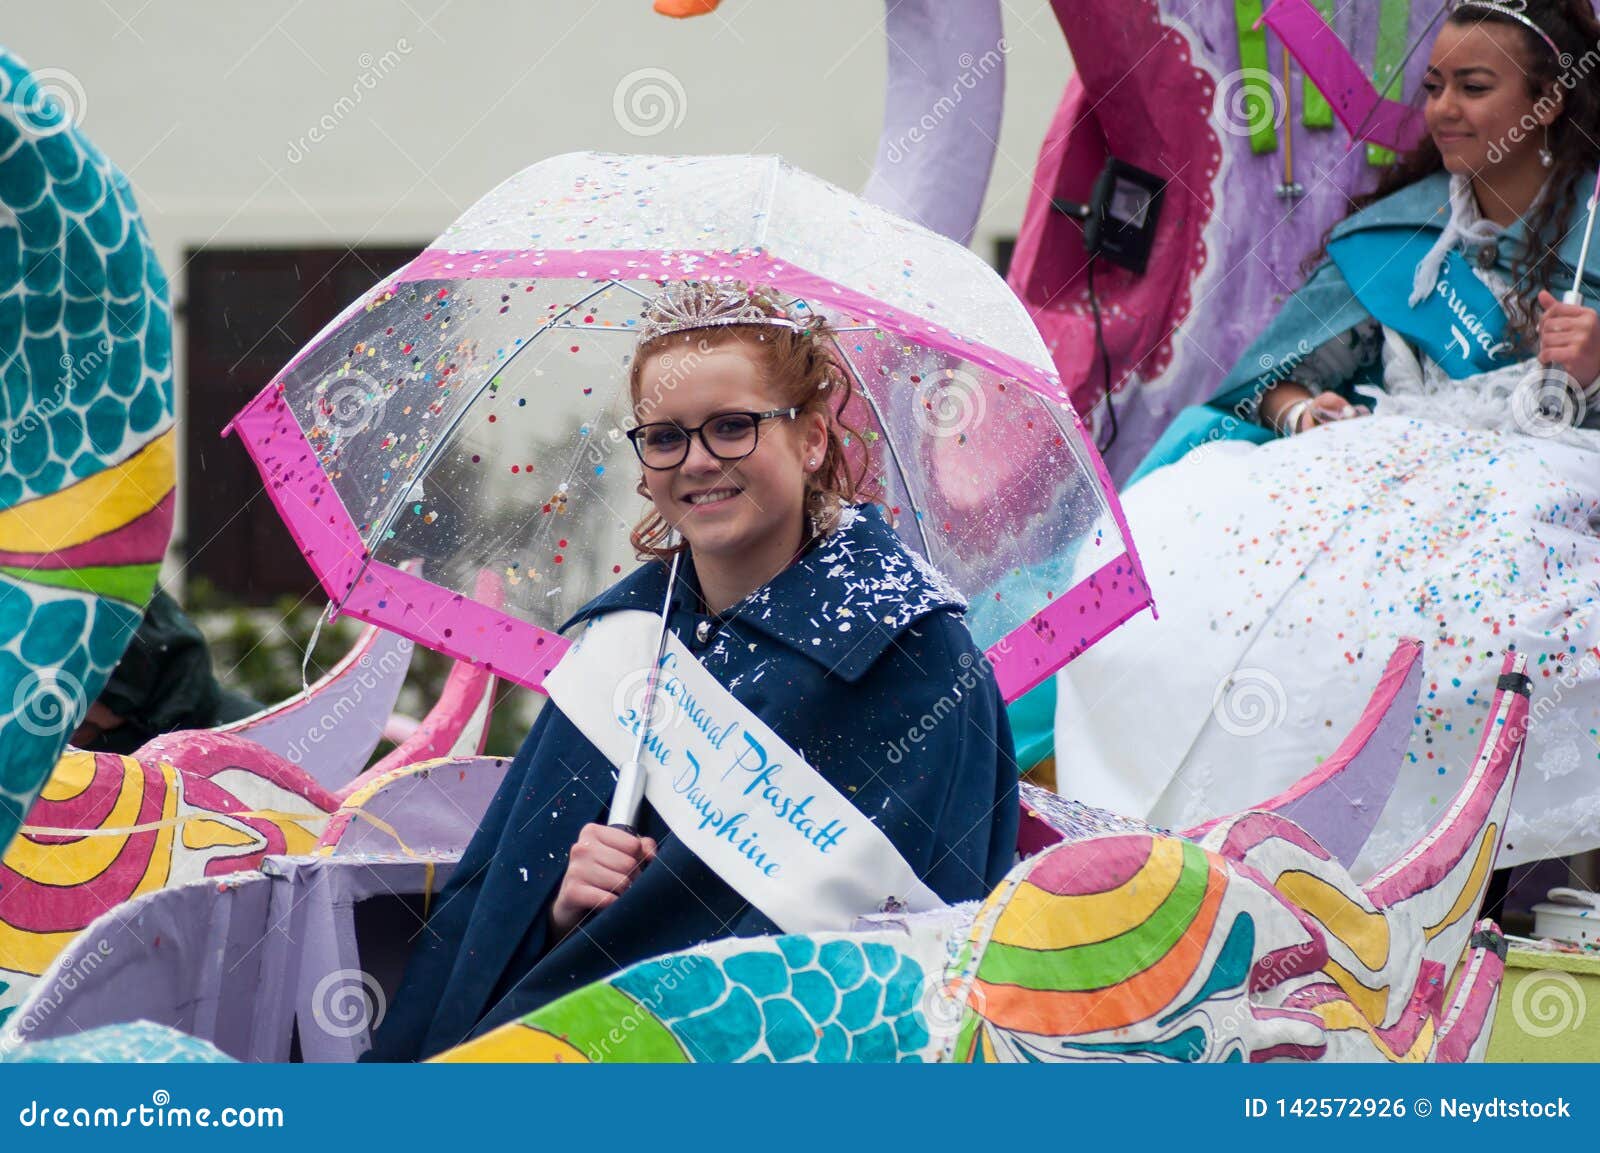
<point x="209" y="105"/>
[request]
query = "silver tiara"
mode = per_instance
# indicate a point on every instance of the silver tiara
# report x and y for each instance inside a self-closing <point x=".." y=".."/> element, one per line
<point x="690" y="304"/>
<point x="1516" y="10"/>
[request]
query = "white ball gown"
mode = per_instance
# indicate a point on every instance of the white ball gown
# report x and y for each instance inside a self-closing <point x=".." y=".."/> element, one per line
<point x="1285" y="574"/>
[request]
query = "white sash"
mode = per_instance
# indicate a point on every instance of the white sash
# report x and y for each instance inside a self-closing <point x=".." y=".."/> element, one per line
<point x="729" y="787"/>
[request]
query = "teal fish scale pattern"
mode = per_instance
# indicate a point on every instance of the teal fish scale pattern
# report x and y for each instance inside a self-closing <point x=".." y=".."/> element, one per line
<point x="85" y="380"/>
<point x="140" y="1042"/>
<point x="789" y="998"/>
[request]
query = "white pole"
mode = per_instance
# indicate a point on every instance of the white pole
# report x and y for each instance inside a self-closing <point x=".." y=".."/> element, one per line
<point x="629" y="792"/>
<point x="1575" y="293"/>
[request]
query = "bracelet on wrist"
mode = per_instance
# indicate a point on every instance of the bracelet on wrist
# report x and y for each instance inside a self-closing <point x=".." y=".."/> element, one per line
<point x="1291" y="417"/>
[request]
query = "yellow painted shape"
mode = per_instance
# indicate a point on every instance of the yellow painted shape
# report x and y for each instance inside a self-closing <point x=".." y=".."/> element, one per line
<point x="1467" y="899"/>
<point x="1035" y="919"/>
<point x="1365" y="933"/>
<point x="210" y="833"/>
<point x="990" y="1057"/>
<point x="25" y="952"/>
<point x="160" y="866"/>
<point x="31" y="953"/>
<point x="514" y="1044"/>
<point x="80" y="861"/>
<point x="73" y="774"/>
<point x="1341" y="1015"/>
<point x="297" y="839"/>
<point x="1372" y="1002"/>
<point x="95" y="505"/>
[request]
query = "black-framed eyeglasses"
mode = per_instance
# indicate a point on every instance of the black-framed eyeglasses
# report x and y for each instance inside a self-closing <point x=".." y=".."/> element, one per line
<point x="728" y="436"/>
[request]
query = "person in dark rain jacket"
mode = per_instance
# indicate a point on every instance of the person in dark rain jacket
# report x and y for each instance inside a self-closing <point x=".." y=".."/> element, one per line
<point x="798" y="597"/>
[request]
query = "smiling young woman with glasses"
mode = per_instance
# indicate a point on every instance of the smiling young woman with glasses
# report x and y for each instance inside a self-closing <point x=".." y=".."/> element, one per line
<point x="794" y="593"/>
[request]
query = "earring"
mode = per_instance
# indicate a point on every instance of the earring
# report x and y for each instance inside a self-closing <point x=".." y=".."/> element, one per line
<point x="812" y="462"/>
<point x="1546" y="157"/>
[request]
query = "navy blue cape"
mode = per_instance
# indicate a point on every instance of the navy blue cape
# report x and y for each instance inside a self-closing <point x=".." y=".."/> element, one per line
<point x="858" y="656"/>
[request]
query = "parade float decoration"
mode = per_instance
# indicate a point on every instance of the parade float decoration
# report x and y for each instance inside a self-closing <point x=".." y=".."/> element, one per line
<point x="86" y="467"/>
<point x="193" y="805"/>
<point x="1245" y="939"/>
<point x="1255" y="942"/>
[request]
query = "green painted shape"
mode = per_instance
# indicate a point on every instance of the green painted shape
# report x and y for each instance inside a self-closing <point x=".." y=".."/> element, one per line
<point x="1394" y="23"/>
<point x="132" y="583"/>
<point x="1103" y="964"/>
<point x="606" y="1024"/>
<point x="967" y="1048"/>
<point x="1254" y="86"/>
<point x="1546" y="1021"/>
<point x="1315" y="110"/>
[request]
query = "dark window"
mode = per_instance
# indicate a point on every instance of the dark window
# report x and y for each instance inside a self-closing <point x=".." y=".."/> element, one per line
<point x="248" y="311"/>
<point x="1004" y="246"/>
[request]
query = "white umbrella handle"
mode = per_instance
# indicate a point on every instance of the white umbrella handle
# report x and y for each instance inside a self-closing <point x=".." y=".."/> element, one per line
<point x="627" y="797"/>
<point x="1574" y="295"/>
<point x="629" y="793"/>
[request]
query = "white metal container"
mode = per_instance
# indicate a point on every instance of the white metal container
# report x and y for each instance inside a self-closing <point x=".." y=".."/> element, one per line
<point x="1569" y="915"/>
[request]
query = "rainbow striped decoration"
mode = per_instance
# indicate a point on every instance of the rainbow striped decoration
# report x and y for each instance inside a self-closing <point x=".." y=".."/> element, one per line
<point x="104" y="535"/>
<point x="1085" y="945"/>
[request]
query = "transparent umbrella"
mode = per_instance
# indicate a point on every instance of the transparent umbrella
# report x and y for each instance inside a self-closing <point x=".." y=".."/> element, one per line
<point x="470" y="411"/>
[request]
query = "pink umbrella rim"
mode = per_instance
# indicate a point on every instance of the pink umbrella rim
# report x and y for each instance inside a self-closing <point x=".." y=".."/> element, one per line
<point x="1021" y="658"/>
<point x="520" y="651"/>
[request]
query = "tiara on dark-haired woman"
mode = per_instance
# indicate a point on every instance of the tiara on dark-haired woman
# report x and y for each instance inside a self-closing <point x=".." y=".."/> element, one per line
<point x="1516" y="10"/>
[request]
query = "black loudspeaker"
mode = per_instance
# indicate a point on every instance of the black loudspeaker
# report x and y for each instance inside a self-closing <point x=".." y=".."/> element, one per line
<point x="1119" y="223"/>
